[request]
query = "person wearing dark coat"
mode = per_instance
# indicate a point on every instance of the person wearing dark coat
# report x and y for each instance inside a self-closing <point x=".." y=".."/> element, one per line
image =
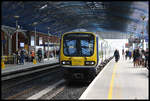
<point x="147" y="58"/>
<point x="116" y="55"/>
<point x="39" y="53"/>
<point x="22" y="56"/>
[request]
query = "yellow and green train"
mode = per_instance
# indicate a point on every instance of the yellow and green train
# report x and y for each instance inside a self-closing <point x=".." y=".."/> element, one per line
<point x="81" y="53"/>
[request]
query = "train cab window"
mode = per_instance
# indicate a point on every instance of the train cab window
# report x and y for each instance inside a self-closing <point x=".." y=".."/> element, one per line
<point x="78" y="45"/>
<point x="70" y="47"/>
<point x="87" y="47"/>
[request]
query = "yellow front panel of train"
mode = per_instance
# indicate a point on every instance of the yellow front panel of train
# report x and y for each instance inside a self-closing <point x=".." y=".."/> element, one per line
<point x="77" y="61"/>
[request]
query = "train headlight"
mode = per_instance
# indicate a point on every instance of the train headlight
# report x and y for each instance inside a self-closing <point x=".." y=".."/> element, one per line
<point x="63" y="62"/>
<point x="66" y="62"/>
<point x="92" y="63"/>
<point x="89" y="62"/>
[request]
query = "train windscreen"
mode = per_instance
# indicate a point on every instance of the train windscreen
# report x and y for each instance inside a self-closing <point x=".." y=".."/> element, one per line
<point x="78" y="44"/>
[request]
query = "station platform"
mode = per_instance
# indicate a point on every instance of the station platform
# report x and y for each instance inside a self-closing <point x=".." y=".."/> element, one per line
<point x="119" y="80"/>
<point x="16" y="67"/>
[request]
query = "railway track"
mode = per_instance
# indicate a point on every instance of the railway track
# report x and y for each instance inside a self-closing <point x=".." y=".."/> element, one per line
<point x="20" y="82"/>
<point x="18" y="73"/>
<point x="46" y="84"/>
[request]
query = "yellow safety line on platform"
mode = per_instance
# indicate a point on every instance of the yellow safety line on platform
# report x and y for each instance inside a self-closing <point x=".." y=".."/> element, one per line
<point x="112" y="82"/>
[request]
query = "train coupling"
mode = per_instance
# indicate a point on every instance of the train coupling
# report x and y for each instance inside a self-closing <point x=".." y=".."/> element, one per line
<point x="78" y="75"/>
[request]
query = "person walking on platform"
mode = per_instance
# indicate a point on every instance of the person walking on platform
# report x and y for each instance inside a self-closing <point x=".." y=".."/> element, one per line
<point x="39" y="52"/>
<point x="22" y="56"/>
<point x="127" y="54"/>
<point x="147" y="58"/>
<point x="116" y="54"/>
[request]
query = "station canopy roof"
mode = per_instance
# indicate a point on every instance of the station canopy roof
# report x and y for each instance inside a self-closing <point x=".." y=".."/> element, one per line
<point x="62" y="16"/>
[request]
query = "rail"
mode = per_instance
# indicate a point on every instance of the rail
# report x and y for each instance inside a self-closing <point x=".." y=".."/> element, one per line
<point x="22" y="72"/>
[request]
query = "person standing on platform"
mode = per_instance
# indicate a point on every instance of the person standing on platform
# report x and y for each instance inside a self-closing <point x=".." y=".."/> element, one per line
<point x="130" y="54"/>
<point x="26" y="56"/>
<point x="134" y="57"/>
<point x="138" y="57"/>
<point x="17" y="57"/>
<point x="32" y="55"/>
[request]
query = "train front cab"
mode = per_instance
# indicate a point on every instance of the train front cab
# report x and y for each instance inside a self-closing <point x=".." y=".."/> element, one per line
<point x="79" y="68"/>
